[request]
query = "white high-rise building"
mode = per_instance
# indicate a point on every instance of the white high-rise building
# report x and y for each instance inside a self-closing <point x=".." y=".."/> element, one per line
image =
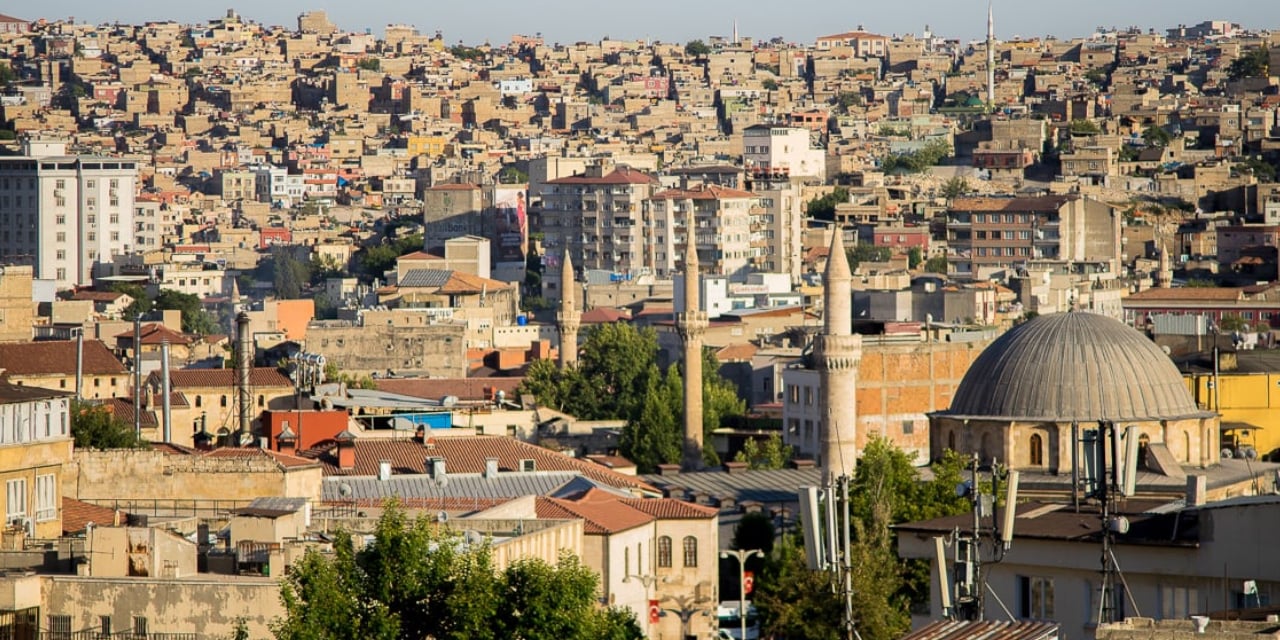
<point x="64" y="214"/>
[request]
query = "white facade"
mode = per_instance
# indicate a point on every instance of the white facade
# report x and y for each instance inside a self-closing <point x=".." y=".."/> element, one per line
<point x="275" y="184"/>
<point x="782" y="152"/>
<point x="66" y="214"/>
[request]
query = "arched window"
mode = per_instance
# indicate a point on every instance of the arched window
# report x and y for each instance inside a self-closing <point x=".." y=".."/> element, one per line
<point x="1036" y="450"/>
<point x="262" y="401"/>
<point x="690" y="551"/>
<point x="626" y="561"/>
<point x="1186" y="446"/>
<point x="198" y="401"/>
<point x="951" y="440"/>
<point x="224" y="401"/>
<point x="664" y="552"/>
<point x="984" y="448"/>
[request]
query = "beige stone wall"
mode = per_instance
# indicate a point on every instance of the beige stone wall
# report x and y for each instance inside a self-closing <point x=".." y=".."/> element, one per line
<point x="117" y="552"/>
<point x="207" y="605"/>
<point x="692" y="587"/>
<point x="17" y="311"/>
<point x="545" y="544"/>
<point x="151" y="475"/>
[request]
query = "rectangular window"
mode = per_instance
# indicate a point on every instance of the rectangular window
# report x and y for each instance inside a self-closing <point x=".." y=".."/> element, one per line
<point x="1035" y="598"/>
<point x="16" y="500"/>
<point x="60" y="627"/>
<point x="46" y="497"/>
<point x="140" y="626"/>
<point x="104" y="625"/>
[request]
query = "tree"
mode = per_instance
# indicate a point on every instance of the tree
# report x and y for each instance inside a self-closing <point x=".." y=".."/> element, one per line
<point x="289" y="274"/>
<point x="768" y="454"/>
<point x="194" y="318"/>
<point x="919" y="160"/>
<point x="754" y="531"/>
<point x="369" y="64"/>
<point x="769" y="84"/>
<point x="867" y="252"/>
<point x="1232" y="322"/>
<point x="1254" y="62"/>
<point x="141" y="301"/>
<point x="824" y="207"/>
<point x="955" y="187"/>
<point x="696" y="49"/>
<point x="657" y="437"/>
<point x="915" y="256"/>
<point x="7" y="76"/>
<point x="719" y="400"/>
<point x="1083" y="127"/>
<point x="94" y="427"/>
<point x="794" y="602"/>
<point x="417" y="580"/>
<point x="1156" y="136"/>
<point x="936" y="264"/>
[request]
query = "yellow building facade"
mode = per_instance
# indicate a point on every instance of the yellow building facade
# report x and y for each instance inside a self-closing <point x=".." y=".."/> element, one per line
<point x="1243" y="399"/>
<point x="35" y="443"/>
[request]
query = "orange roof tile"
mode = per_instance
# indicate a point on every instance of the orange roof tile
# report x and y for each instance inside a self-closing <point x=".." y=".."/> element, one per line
<point x="57" y="357"/>
<point x="77" y="515"/>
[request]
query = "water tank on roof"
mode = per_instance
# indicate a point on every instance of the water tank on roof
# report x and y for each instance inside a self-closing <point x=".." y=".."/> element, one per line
<point x="449" y="401"/>
<point x="522" y="320"/>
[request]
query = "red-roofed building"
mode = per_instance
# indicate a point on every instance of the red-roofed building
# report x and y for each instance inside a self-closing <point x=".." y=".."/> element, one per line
<point x="306" y="428"/>
<point x="596" y="217"/>
<point x="629" y="541"/>
<point x="52" y="365"/>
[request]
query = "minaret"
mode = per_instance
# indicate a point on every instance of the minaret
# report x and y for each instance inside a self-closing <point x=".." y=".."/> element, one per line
<point x="692" y="323"/>
<point x="991" y="58"/>
<point x="837" y="352"/>
<point x="569" y="317"/>
<point x="735" y="32"/>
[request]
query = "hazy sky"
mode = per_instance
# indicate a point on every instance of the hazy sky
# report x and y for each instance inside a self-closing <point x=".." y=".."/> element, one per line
<point x="565" y="21"/>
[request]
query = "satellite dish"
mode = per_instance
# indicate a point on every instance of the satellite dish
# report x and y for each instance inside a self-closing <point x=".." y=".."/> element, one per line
<point x="1166" y="350"/>
<point x="344" y="490"/>
<point x="443" y="516"/>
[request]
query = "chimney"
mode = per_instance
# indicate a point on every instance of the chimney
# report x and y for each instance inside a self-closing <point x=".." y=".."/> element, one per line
<point x="287" y="441"/>
<point x="435" y="468"/>
<point x="1197" y="488"/>
<point x="490" y="467"/>
<point x="384" y="470"/>
<point x="668" y="469"/>
<point x="346" y="450"/>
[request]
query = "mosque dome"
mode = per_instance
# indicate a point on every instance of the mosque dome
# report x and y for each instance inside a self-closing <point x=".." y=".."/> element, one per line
<point x="1073" y="366"/>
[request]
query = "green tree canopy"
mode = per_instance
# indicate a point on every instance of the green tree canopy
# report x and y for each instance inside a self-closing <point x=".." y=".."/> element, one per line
<point x="418" y="581"/>
<point x="1083" y="127"/>
<point x="867" y="252"/>
<point x="824" y="207"/>
<point x="1254" y="62"/>
<point x="955" y="187"/>
<point x="94" y="427"/>
<point x="696" y="48"/>
<point x="1156" y="136"/>
<point x="768" y="454"/>
<point x="919" y="160"/>
<point x="194" y="318"/>
<point x="936" y="264"/>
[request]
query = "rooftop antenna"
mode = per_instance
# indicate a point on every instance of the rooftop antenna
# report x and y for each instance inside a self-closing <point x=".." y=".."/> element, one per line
<point x="965" y="597"/>
<point x="1110" y="473"/>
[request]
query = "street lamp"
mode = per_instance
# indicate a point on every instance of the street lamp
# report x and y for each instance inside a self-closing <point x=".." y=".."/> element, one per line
<point x="687" y="608"/>
<point x="742" y="555"/>
<point x="648" y="581"/>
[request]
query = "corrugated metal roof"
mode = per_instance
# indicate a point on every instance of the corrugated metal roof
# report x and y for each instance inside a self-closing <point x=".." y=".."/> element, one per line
<point x="457" y="485"/>
<point x="780" y="485"/>
<point x="425" y="278"/>
<point x="985" y="630"/>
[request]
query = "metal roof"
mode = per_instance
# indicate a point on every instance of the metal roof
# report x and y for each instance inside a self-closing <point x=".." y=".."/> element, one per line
<point x="780" y="485"/>
<point x="455" y="485"/>
<point x="425" y="278"/>
<point x="985" y="630"/>
<point x="1073" y="366"/>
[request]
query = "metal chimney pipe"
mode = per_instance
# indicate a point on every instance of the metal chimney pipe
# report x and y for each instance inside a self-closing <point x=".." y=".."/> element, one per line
<point x="244" y="360"/>
<point x="167" y="425"/>
<point x="137" y="375"/>
<point x="80" y="363"/>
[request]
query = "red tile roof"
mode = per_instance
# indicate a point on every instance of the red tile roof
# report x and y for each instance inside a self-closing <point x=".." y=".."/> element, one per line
<point x="57" y="357"/>
<point x="621" y="175"/>
<point x="224" y="378"/>
<point x="603" y="315"/>
<point x="465" y="454"/>
<point x="156" y="333"/>
<point x="670" y="508"/>
<point x="598" y="516"/>
<point x="704" y="192"/>
<point x="77" y="515"/>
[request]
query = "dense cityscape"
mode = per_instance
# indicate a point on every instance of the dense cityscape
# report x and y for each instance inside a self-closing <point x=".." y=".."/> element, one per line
<point x="311" y="333"/>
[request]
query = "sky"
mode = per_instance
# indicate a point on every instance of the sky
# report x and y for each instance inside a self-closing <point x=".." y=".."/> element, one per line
<point x="565" y="21"/>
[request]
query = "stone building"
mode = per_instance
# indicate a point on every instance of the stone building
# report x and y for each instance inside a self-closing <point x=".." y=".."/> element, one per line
<point x="1019" y="400"/>
<point x="366" y="348"/>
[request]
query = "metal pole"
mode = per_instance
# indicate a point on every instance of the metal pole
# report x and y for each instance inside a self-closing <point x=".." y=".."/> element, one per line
<point x="165" y="390"/>
<point x="79" y="363"/>
<point x="137" y="375"/>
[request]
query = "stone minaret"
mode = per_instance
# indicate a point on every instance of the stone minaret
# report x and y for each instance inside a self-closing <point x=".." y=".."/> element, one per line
<point x="991" y="57"/>
<point x="837" y="352"/>
<point x="570" y="317"/>
<point x="692" y="323"/>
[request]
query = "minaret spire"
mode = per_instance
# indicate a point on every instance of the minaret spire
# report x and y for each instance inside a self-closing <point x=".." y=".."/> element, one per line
<point x="991" y="56"/>
<point x="692" y="324"/>
<point x="837" y="352"/>
<point x="569" y="317"/>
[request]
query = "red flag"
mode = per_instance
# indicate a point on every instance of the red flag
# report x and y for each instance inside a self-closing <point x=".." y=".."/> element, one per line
<point x="654" y="612"/>
<point x="748" y="582"/>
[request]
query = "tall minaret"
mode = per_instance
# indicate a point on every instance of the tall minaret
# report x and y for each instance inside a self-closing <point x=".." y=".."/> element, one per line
<point x="837" y="352"/>
<point x="735" y="32"/>
<point x="991" y="57"/>
<point x="692" y="323"/>
<point x="569" y="318"/>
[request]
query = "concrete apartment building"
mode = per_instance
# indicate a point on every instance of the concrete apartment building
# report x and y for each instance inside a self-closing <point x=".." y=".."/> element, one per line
<point x="596" y="217"/>
<point x="35" y="442"/>
<point x="719" y="219"/>
<point x="781" y="152"/>
<point x="65" y="214"/>
<point x="986" y="235"/>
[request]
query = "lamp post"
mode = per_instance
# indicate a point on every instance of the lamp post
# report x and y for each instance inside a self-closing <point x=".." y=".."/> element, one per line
<point x="648" y="581"/>
<point x="742" y="555"/>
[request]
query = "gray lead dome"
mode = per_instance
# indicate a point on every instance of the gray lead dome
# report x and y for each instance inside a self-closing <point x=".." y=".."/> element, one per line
<point x="1073" y="366"/>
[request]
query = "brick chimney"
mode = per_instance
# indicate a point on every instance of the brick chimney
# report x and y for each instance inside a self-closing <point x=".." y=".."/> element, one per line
<point x="287" y="441"/>
<point x="346" y="450"/>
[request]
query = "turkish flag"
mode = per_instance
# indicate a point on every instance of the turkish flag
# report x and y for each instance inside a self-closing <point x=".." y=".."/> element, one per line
<point x="654" y="612"/>
<point x="748" y="582"/>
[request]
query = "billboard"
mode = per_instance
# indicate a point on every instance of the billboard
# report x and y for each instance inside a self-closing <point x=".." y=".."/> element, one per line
<point x="512" y="222"/>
